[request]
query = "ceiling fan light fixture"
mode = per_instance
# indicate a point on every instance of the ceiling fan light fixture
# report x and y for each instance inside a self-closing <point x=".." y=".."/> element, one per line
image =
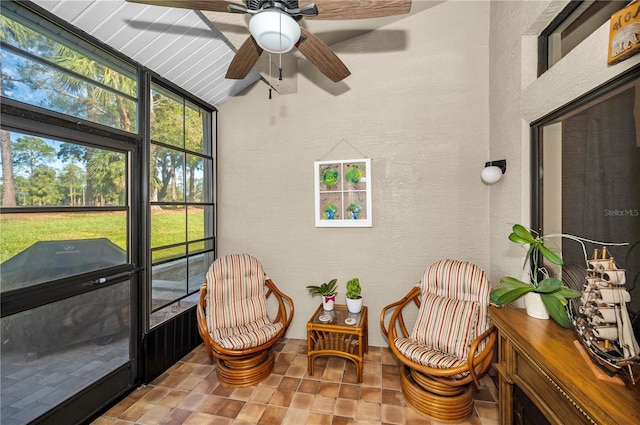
<point x="274" y="31"/>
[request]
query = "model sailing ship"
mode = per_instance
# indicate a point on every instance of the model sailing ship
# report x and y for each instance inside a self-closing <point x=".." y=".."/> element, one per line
<point x="602" y="320"/>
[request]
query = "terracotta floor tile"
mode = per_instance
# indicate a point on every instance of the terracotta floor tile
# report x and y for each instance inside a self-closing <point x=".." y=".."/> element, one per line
<point x="369" y="411"/>
<point x="392" y="414"/>
<point x="289" y="384"/>
<point x="350" y="376"/>
<point x="176" y="417"/>
<point x="372" y="368"/>
<point x="346" y="407"/>
<point x="262" y="395"/>
<point x="189" y="393"/>
<point x="272" y="415"/>
<point x="174" y="398"/>
<point x="372" y="380"/>
<point x="329" y="389"/>
<point x="296" y="371"/>
<point x="341" y="420"/>
<point x="199" y="418"/>
<point x="282" y="398"/>
<point x="211" y="404"/>
<point x="487" y="411"/>
<point x="392" y="397"/>
<point x="155" y="394"/>
<point x="309" y="386"/>
<point x="154" y="415"/>
<point x="371" y="395"/>
<point x="223" y="391"/>
<point x="270" y="382"/>
<point x="205" y="387"/>
<point x="302" y="401"/>
<point x="136" y="410"/>
<point x="323" y="404"/>
<point x="319" y="419"/>
<point x="230" y="408"/>
<point x="251" y="412"/>
<point x="192" y="401"/>
<point x="391" y="382"/>
<point x="279" y="368"/>
<point x="295" y="417"/>
<point x="242" y="393"/>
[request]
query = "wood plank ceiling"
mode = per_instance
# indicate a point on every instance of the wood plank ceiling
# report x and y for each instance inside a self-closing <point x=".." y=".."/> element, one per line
<point x="193" y="49"/>
<point x="180" y="45"/>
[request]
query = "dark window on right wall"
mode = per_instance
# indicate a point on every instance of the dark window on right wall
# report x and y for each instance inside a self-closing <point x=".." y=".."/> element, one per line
<point x="586" y="181"/>
<point x="575" y="23"/>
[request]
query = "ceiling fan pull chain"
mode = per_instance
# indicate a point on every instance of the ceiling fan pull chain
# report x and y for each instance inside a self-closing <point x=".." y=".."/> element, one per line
<point x="270" y="83"/>
<point x="280" y="56"/>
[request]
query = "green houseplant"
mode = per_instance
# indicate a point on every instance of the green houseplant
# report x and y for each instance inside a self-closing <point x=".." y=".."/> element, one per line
<point x="354" y="299"/>
<point x="552" y="291"/>
<point x="328" y="292"/>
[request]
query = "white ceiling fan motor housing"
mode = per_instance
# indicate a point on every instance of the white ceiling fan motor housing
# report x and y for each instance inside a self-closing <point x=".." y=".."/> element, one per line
<point x="274" y="31"/>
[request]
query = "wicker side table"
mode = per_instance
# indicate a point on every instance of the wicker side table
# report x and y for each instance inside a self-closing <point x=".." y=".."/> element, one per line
<point x="338" y="333"/>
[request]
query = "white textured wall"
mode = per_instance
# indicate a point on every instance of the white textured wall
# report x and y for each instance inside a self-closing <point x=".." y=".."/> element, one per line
<point x="518" y="98"/>
<point x="419" y="109"/>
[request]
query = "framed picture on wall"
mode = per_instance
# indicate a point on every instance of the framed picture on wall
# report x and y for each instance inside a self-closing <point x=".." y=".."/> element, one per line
<point x="343" y="193"/>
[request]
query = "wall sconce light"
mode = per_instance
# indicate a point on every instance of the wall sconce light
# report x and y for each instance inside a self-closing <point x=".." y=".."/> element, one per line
<point x="493" y="171"/>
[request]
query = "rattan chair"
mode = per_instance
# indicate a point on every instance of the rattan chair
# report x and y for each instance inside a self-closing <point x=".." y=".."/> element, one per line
<point x="233" y="319"/>
<point x="452" y="342"/>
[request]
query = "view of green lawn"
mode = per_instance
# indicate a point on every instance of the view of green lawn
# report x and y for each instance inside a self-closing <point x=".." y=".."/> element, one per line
<point x="20" y="231"/>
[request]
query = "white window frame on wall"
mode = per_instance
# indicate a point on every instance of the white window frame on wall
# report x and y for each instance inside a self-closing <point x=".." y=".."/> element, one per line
<point x="343" y="194"/>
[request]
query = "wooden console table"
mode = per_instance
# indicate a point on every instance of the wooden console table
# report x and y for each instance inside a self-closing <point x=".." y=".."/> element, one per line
<point x="540" y="357"/>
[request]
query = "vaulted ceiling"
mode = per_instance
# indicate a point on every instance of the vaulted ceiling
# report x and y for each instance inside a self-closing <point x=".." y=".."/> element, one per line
<point x="193" y="49"/>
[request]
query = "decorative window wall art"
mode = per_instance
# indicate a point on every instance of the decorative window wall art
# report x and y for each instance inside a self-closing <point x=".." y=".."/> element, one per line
<point x="343" y="193"/>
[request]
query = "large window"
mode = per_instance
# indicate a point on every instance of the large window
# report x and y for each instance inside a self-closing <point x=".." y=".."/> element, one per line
<point x="80" y="253"/>
<point x="42" y="68"/>
<point x="60" y="191"/>
<point x="181" y="177"/>
<point x="588" y="176"/>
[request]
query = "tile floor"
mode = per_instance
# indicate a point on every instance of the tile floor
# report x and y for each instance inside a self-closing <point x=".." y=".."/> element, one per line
<point x="189" y="394"/>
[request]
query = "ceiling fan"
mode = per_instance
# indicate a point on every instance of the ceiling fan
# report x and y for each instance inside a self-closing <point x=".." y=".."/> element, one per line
<point x="274" y="27"/>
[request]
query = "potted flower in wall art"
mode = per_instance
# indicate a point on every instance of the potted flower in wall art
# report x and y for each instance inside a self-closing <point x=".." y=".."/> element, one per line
<point x="328" y="292"/>
<point x="330" y="211"/>
<point x="354" y="209"/>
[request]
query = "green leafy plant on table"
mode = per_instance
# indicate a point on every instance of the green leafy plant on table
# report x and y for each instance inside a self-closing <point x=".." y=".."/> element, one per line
<point x="326" y="289"/>
<point x="552" y="291"/>
<point x="353" y="288"/>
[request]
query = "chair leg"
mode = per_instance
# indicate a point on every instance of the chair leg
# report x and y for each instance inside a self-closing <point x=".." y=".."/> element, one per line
<point x="446" y="404"/>
<point x="245" y="372"/>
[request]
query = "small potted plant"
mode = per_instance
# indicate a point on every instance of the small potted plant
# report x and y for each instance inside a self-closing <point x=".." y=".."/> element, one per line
<point x="354" y="209"/>
<point x="552" y="292"/>
<point x="330" y="211"/>
<point x="327" y="291"/>
<point x="354" y="299"/>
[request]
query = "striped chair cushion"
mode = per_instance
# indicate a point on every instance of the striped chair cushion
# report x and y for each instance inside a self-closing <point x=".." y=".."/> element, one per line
<point x="247" y="336"/>
<point x="447" y="325"/>
<point x="461" y="280"/>
<point x="425" y="356"/>
<point x="419" y="353"/>
<point x="236" y="305"/>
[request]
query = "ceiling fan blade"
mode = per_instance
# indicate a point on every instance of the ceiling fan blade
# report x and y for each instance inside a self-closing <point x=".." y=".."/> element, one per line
<point x="210" y="5"/>
<point x="245" y="59"/>
<point x="358" y="9"/>
<point x="319" y="54"/>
